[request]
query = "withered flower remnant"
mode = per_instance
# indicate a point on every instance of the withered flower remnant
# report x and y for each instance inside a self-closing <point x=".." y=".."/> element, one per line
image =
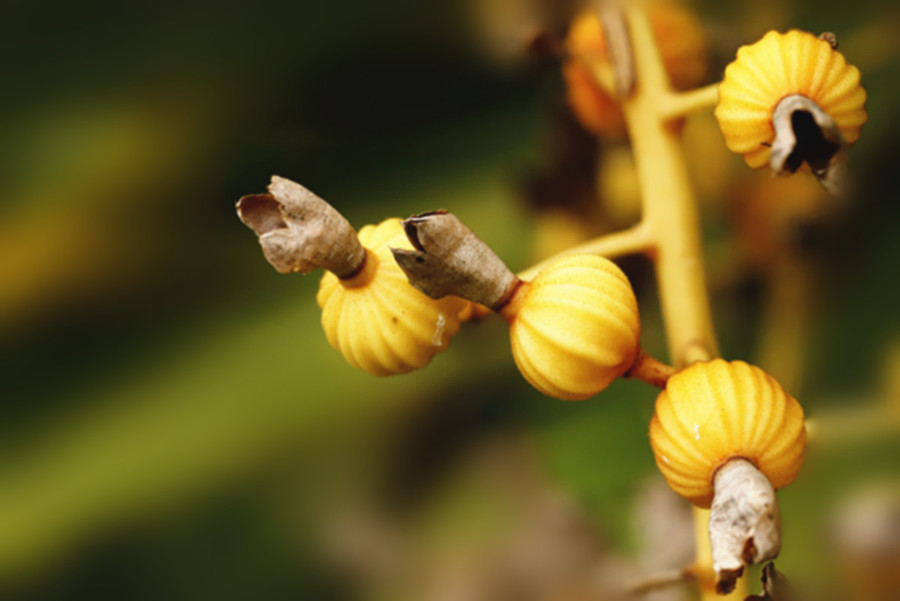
<point x="378" y="322"/>
<point x="300" y="232"/>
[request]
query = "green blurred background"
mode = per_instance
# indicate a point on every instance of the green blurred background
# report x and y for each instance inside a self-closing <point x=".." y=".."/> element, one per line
<point x="174" y="423"/>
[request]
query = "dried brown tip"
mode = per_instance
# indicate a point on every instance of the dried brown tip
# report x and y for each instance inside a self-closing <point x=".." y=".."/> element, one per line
<point x="300" y="232"/>
<point x="775" y="586"/>
<point x="450" y="259"/>
<point x="744" y="521"/>
<point x="804" y="133"/>
<point x="831" y="38"/>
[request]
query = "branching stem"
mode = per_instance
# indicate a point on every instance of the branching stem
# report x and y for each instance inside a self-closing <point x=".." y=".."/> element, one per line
<point x="679" y="104"/>
<point x="650" y="370"/>
<point x="635" y="240"/>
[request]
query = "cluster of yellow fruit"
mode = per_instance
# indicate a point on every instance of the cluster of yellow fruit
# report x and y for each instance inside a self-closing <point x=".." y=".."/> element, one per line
<point x="575" y="327"/>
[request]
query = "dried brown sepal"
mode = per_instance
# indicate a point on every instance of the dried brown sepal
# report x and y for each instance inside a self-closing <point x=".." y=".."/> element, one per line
<point x="450" y="259"/>
<point x="831" y="38"/>
<point x="300" y="232"/>
<point x="804" y="133"/>
<point x="744" y="521"/>
<point x="775" y="586"/>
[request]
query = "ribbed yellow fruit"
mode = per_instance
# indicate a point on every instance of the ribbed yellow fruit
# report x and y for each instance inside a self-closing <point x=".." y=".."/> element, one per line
<point x="779" y="65"/>
<point x="575" y="328"/>
<point x="378" y="322"/>
<point x="717" y="410"/>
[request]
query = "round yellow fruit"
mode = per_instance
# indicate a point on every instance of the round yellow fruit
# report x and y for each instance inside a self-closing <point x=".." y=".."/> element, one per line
<point x="376" y="319"/>
<point x="575" y="328"/>
<point x="779" y="65"/>
<point x="718" y="410"/>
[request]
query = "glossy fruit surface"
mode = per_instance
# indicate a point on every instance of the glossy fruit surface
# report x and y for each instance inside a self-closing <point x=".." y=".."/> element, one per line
<point x="713" y="411"/>
<point x="575" y="328"/>
<point x="378" y="322"/>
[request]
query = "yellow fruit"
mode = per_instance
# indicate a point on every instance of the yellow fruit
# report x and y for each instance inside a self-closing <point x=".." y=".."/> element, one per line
<point x="717" y="410"/>
<point x="379" y="322"/>
<point x="779" y="65"/>
<point x="575" y="328"/>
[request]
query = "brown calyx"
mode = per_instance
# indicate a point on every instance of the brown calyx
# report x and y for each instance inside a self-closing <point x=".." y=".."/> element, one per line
<point x="300" y="232"/>
<point x="744" y="521"/>
<point x="804" y="133"/>
<point x="448" y="258"/>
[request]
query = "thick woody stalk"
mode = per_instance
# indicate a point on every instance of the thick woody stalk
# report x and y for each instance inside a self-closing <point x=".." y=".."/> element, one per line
<point x="300" y="232"/>
<point x="450" y="259"/>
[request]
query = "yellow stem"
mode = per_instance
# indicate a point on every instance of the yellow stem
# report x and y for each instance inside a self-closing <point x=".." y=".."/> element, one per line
<point x="634" y="240"/>
<point x="679" y="104"/>
<point x="650" y="370"/>
<point x="670" y="209"/>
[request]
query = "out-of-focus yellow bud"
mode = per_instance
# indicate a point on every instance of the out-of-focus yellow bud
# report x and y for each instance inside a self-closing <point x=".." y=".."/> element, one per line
<point x="575" y="328"/>
<point x="379" y="322"/>
<point x="681" y="42"/>
<point x="714" y="411"/>
<point x="776" y="67"/>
